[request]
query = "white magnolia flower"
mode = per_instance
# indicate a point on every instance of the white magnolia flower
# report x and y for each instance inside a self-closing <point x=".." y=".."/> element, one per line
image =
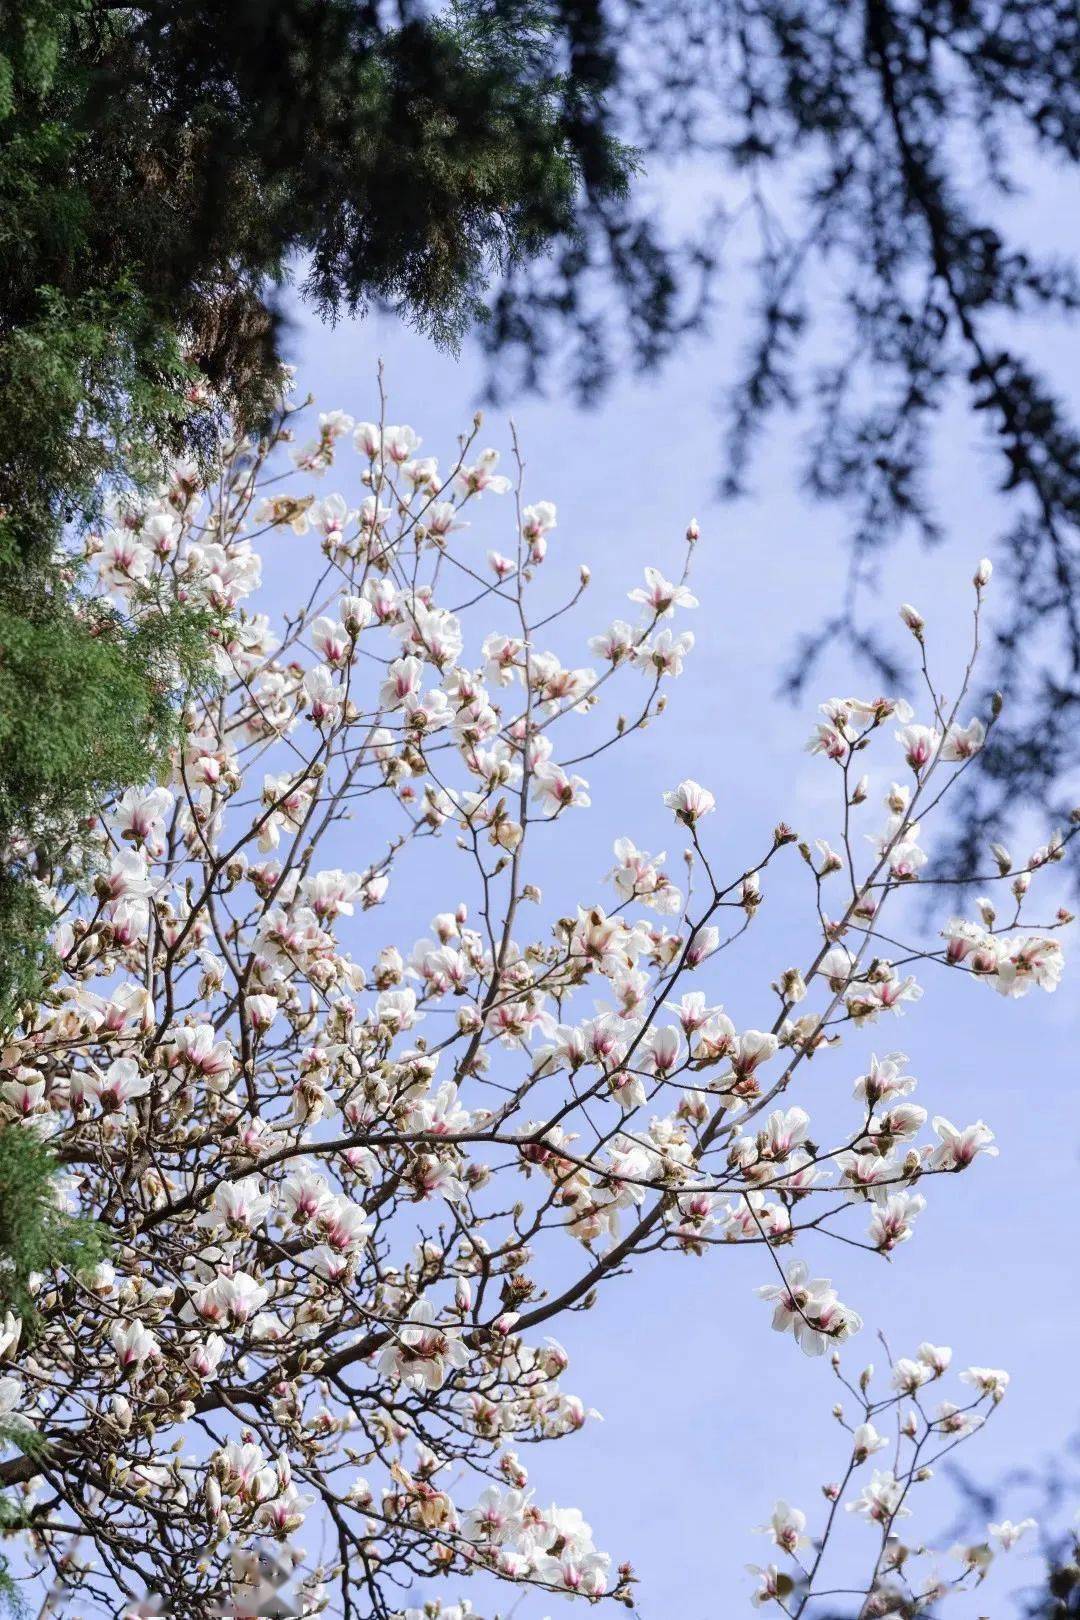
<point x="690" y="802"/>
<point x="882" y="1501"/>
<point x="1007" y="1534"/>
<point x="423" y="1353"/>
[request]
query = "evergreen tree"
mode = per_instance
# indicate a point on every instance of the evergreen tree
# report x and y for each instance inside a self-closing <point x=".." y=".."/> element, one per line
<point x="162" y="169"/>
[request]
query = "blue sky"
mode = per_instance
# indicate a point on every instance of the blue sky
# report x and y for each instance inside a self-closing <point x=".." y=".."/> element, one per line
<point x="708" y="1415"/>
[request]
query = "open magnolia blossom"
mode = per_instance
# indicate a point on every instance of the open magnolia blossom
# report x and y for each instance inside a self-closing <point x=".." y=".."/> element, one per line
<point x="353" y="1183"/>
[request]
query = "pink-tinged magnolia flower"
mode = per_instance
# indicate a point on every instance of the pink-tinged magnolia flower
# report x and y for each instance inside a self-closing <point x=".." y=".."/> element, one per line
<point x="233" y="1299"/>
<point x="606" y="941"/>
<point x="900" y="1123"/>
<point x="962" y="742"/>
<point x="910" y="1374"/>
<point x="123" y="561"/>
<point x="920" y="745"/>
<point x="23" y="1095"/>
<point x="334" y="424"/>
<point x="705" y="941"/>
<point x="661" y="596"/>
<point x="331" y="1264"/>
<point x="240" y="1206"/>
<point x="555" y="790"/>
<point x="882" y="1500"/>
<point x="830" y="737"/>
<point x="423" y="1353"/>
<point x="884" y="1079"/>
<point x="497" y="1517"/>
<point x="161" y="532"/>
<point x="537" y="521"/>
<point x="809" y="1309"/>
<point x="750" y="1049"/>
<point x="502" y="567"/>
<point x="141" y="815"/>
<point x="868" y="998"/>
<point x="133" y="1344"/>
<point x="432" y="1177"/>
<point x="616" y="643"/>
<point x="786" y="1527"/>
<point x="120" y="1084"/>
<point x="990" y="1381"/>
<point x="504" y="655"/>
<point x="638" y="877"/>
<point x="891" y="1221"/>
<point x="396" y="1010"/>
<point x="332" y="642"/>
<point x="783" y="1132"/>
<point x="126" y="877"/>
<point x="285" y="1513"/>
<point x="368" y="439"/>
<point x="959" y="1148"/>
<point x="1023" y="963"/>
<point x="198" y="1049"/>
<point x="580" y="1573"/>
<point x="772" y="1585"/>
<point x="662" y="1051"/>
<point x="664" y="655"/>
<point x="865" y="1440"/>
<point x="403" y="680"/>
<point x="690" y="802"/>
<point x="243" y="1470"/>
<point x="968" y="943"/>
<point x="261" y="1011"/>
<point x="204" y="1357"/>
<point x="481" y="477"/>
<point x="331" y="894"/>
<point x="938" y="1357"/>
<point x="343" y="1225"/>
<point x="693" y="1012"/>
<point x="399" y="444"/>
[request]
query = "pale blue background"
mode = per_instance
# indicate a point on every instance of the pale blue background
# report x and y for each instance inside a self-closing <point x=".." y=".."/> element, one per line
<point x="710" y="1416"/>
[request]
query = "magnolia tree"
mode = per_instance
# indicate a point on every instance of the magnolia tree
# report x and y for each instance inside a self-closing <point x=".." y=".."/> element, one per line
<point x="349" y="1197"/>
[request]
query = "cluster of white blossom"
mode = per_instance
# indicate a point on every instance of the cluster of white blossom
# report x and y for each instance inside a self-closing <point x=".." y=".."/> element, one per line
<point x="347" y="1190"/>
<point x="906" y="1579"/>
